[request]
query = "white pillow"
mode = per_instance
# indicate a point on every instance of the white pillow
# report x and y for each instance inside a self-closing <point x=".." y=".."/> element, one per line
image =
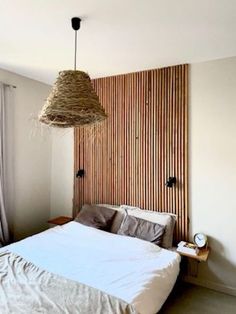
<point x="118" y="217"/>
<point x="166" y="219"/>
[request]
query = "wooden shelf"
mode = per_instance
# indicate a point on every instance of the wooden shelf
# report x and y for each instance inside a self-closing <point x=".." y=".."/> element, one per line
<point x="61" y="220"/>
<point x="201" y="257"/>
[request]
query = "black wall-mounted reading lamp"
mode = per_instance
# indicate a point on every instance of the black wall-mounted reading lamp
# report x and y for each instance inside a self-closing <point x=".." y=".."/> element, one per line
<point x="170" y="181"/>
<point x="80" y="173"/>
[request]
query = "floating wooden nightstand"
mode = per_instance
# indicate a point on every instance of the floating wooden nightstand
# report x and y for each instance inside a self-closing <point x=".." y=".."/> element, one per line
<point x="61" y="220"/>
<point x="190" y="263"/>
<point x="201" y="257"/>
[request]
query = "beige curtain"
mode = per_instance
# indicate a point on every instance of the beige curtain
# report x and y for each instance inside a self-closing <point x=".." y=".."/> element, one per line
<point x="4" y="99"/>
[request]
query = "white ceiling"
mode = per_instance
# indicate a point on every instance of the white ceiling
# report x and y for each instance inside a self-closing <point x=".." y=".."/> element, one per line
<point x="116" y="36"/>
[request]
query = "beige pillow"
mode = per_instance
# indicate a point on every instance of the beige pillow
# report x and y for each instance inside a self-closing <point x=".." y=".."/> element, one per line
<point x="166" y="219"/>
<point x="120" y="214"/>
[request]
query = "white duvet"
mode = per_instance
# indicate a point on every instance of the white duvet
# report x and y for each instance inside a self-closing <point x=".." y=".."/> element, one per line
<point x="133" y="270"/>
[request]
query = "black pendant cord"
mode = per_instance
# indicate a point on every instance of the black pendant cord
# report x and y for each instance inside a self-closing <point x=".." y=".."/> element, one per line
<point x="75" y="23"/>
<point x="75" y="58"/>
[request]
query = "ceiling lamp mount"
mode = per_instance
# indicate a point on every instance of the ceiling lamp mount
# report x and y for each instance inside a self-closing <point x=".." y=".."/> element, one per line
<point x="75" y="22"/>
<point x="72" y="102"/>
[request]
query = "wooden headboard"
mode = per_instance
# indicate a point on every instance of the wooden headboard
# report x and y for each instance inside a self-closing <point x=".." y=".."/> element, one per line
<point x="142" y="143"/>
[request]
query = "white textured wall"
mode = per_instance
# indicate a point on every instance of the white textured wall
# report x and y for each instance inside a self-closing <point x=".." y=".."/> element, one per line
<point x="29" y="159"/>
<point x="62" y="172"/>
<point x="213" y="168"/>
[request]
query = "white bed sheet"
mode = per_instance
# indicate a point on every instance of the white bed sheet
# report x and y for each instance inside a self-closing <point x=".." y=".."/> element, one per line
<point x="133" y="270"/>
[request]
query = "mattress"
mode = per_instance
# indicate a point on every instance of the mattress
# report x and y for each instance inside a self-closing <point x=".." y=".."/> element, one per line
<point x="138" y="272"/>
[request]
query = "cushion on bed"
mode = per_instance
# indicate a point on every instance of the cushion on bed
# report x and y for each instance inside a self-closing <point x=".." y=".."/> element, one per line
<point x="142" y="229"/>
<point x="166" y="219"/>
<point x="120" y="214"/>
<point x="95" y="216"/>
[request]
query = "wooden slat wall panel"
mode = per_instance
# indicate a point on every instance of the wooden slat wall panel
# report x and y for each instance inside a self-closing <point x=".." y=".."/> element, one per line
<point x="141" y="144"/>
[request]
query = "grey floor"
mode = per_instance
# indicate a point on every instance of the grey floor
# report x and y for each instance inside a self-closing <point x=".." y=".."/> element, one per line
<point x="191" y="299"/>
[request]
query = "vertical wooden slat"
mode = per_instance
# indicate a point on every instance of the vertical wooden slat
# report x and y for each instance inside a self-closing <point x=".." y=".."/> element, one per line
<point x="141" y="144"/>
<point x="155" y="136"/>
<point x="159" y="122"/>
<point x="186" y="194"/>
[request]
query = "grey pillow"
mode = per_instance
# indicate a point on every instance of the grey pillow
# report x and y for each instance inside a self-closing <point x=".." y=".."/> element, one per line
<point x="142" y="229"/>
<point x="165" y="219"/>
<point x="120" y="214"/>
<point x="96" y="216"/>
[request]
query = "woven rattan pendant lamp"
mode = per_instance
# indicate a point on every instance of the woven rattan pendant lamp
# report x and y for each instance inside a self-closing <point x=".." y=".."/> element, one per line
<point x="72" y="101"/>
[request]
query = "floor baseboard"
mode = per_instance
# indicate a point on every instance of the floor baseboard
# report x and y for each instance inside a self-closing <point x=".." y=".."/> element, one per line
<point x="211" y="285"/>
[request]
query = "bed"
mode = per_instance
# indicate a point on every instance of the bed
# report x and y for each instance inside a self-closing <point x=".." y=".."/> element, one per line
<point x="79" y="269"/>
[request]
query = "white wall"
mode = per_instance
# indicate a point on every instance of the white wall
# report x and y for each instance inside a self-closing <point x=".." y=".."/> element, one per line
<point x="62" y="172"/>
<point x="213" y="168"/>
<point x="30" y="157"/>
